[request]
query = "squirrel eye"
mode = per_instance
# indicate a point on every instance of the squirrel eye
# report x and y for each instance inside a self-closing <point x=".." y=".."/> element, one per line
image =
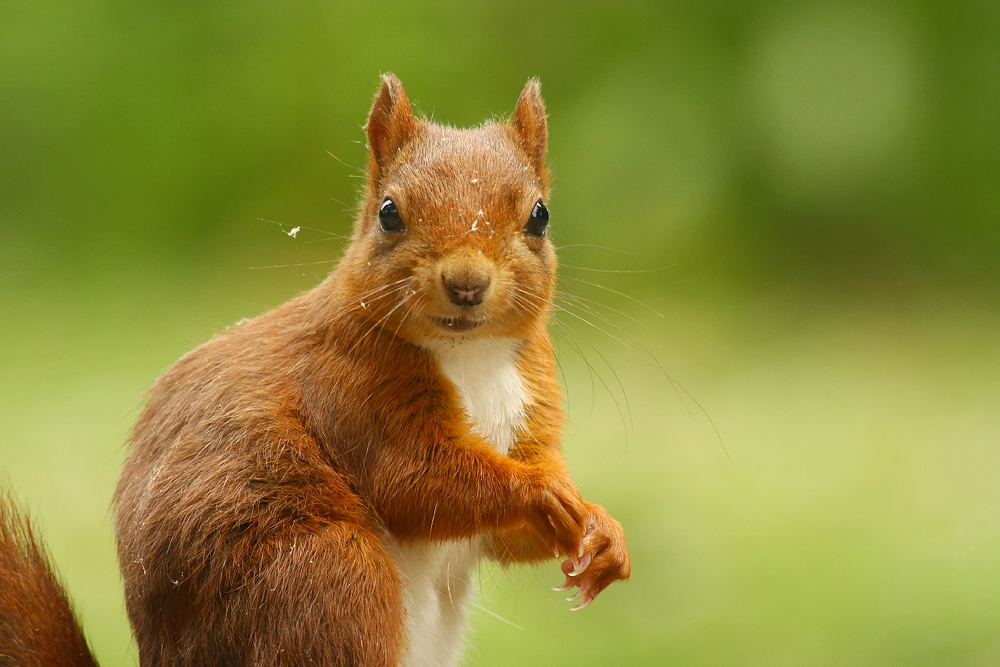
<point x="539" y="220"/>
<point x="388" y="218"/>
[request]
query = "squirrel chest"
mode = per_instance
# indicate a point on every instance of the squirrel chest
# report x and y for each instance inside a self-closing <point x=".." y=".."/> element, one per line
<point x="436" y="575"/>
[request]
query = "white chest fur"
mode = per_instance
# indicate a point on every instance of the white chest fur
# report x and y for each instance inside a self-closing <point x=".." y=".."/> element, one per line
<point x="436" y="576"/>
<point x="485" y="374"/>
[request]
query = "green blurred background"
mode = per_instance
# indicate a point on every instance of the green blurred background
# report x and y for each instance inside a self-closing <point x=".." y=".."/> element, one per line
<point x="808" y="191"/>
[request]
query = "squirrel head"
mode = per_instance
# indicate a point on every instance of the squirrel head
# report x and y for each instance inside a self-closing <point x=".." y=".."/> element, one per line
<point x="451" y="240"/>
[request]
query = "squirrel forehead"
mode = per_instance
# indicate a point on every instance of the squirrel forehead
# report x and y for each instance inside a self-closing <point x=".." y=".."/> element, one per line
<point x="473" y="166"/>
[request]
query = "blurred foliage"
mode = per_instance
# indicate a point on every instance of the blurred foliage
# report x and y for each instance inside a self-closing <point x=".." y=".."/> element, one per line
<point x="813" y="188"/>
<point x="761" y="140"/>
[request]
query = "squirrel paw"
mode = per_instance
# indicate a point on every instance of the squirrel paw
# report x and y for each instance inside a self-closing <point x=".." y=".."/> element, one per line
<point x="603" y="559"/>
<point x="559" y="515"/>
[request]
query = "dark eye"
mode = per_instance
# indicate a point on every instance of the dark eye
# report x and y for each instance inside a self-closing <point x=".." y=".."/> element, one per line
<point x="539" y="220"/>
<point x="388" y="218"/>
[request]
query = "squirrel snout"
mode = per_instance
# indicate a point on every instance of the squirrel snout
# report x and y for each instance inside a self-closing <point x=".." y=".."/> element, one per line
<point x="467" y="289"/>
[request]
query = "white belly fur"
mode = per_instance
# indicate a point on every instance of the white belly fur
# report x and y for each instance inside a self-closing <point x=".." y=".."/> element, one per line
<point x="436" y="576"/>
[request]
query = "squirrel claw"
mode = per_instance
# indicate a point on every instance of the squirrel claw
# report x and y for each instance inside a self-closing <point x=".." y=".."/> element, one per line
<point x="565" y="587"/>
<point x="579" y="565"/>
<point x="585" y="593"/>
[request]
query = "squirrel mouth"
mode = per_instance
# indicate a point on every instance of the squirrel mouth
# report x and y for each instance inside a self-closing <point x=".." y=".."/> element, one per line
<point x="457" y="324"/>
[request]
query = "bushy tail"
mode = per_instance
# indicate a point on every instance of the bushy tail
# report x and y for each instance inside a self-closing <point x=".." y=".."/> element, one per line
<point x="37" y="625"/>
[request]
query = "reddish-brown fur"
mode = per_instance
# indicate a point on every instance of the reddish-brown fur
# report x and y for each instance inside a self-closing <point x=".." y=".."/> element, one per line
<point x="273" y="464"/>
<point x="37" y="626"/>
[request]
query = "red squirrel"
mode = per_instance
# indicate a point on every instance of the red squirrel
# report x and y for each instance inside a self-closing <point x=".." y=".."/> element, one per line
<point x="315" y="485"/>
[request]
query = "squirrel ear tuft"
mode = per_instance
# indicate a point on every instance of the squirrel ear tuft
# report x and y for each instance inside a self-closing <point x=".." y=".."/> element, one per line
<point x="528" y="123"/>
<point x="390" y="124"/>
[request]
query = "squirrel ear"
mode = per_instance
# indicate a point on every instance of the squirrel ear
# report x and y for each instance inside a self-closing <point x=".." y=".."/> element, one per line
<point x="528" y="123"/>
<point x="390" y="124"/>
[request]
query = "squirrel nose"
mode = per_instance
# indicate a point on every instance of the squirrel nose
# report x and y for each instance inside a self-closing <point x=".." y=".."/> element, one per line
<point x="466" y="290"/>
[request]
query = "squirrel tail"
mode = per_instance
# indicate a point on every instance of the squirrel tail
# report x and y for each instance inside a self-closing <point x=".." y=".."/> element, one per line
<point x="37" y="625"/>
